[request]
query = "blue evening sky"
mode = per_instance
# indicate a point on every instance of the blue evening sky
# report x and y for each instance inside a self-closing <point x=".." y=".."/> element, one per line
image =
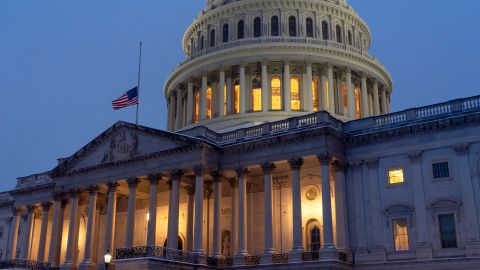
<point x="62" y="62"/>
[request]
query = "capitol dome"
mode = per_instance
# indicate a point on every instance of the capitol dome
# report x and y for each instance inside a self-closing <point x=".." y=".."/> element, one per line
<point x="249" y="62"/>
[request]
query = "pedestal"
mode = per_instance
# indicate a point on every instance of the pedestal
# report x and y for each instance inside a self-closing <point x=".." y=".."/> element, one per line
<point x="424" y="252"/>
<point x="266" y="258"/>
<point x="238" y="260"/>
<point x="473" y="248"/>
<point x="295" y="256"/>
<point x="87" y="266"/>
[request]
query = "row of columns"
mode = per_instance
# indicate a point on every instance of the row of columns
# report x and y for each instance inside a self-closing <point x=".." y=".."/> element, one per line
<point x="326" y="95"/>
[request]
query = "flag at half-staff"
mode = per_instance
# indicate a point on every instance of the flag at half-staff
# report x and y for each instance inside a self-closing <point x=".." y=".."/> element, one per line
<point x="128" y="98"/>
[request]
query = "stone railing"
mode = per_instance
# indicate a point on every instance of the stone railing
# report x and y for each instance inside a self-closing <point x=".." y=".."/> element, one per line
<point x="277" y="40"/>
<point x="156" y="252"/>
<point x="26" y="264"/>
<point x="280" y="258"/>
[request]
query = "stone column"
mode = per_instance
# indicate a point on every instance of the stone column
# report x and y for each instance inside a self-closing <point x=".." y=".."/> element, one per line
<point x="190" y="192"/>
<point x="378" y="249"/>
<point x="325" y="160"/>
<point x="198" y="230"/>
<point x="111" y="217"/>
<point x="221" y="103"/>
<point x="331" y="95"/>
<point x="242" y="216"/>
<point x="14" y="233"/>
<point x="190" y="100"/>
<point x="217" y="200"/>
<point x="265" y="88"/>
<point x="229" y="95"/>
<point x="376" y="99"/>
<point x="70" y="258"/>
<point x="309" y="91"/>
<point x="365" y="111"/>
<point x="152" y="210"/>
<point x="88" y="262"/>
<point x="171" y="110"/>
<point x="27" y="233"/>
<point x="243" y="90"/>
<point x="468" y="199"/>
<point x="424" y="248"/>
<point x="384" y="101"/>
<point x="323" y="92"/>
<point x="287" y="103"/>
<point x="179" y="107"/>
<point x="350" y="95"/>
<point x="234" y="206"/>
<point x="43" y="231"/>
<point x="268" y="225"/>
<point x="297" y="249"/>
<point x="56" y="221"/>
<point x="341" y="222"/>
<point x="172" y="233"/>
<point x="359" y="209"/>
<point x="203" y="98"/>
<point x="132" y="193"/>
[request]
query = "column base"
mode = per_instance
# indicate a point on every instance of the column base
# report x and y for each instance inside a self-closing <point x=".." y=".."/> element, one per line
<point x="295" y="256"/>
<point x="376" y="254"/>
<point x="424" y="251"/>
<point x="328" y="253"/>
<point x="239" y="260"/>
<point x="200" y="258"/>
<point x="69" y="266"/>
<point x="87" y="266"/>
<point x="266" y="258"/>
<point x="473" y="248"/>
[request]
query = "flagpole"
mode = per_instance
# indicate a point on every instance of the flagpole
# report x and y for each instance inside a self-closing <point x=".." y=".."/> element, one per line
<point x="138" y="81"/>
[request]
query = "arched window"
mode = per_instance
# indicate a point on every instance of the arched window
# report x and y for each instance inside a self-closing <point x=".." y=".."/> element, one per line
<point x="197" y="106"/>
<point x="309" y="26"/>
<point x="316" y="100"/>
<point x="212" y="38"/>
<point x="325" y="35"/>
<point x="292" y="26"/>
<point x="295" y="93"/>
<point x="344" y="95"/>
<point x="274" y="26"/>
<point x="257" y="27"/>
<point x="202" y="42"/>
<point x="225" y="33"/>
<point x="179" y="244"/>
<point x="256" y="96"/>
<point x="339" y="33"/>
<point x="241" y="29"/>
<point x="236" y="97"/>
<point x="350" y="39"/>
<point x="358" y="101"/>
<point x="276" y="92"/>
<point x="313" y="236"/>
<point x="209" y="102"/>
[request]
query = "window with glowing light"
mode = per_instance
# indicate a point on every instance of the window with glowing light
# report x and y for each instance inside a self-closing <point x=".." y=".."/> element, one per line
<point x="358" y="110"/>
<point x="225" y="100"/>
<point x="295" y="93"/>
<point x="197" y="106"/>
<point x="256" y="95"/>
<point x="236" y="98"/>
<point x="400" y="234"/>
<point x="327" y="95"/>
<point x="314" y="236"/>
<point x="209" y="102"/>
<point x="344" y="95"/>
<point x="316" y="100"/>
<point x="276" y="93"/>
<point x="395" y="177"/>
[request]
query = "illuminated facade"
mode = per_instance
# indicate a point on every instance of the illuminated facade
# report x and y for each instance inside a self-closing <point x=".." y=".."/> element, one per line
<point x="281" y="154"/>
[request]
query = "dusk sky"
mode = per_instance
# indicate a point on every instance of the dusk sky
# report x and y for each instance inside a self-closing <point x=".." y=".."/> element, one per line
<point x="63" y="62"/>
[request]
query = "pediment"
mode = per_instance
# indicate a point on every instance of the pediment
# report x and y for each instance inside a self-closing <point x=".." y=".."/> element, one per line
<point x="123" y="141"/>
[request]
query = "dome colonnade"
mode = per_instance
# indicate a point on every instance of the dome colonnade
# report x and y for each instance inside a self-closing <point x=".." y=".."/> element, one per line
<point x="257" y="61"/>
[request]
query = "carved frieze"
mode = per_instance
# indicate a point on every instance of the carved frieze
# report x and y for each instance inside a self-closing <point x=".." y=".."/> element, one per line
<point x="121" y="146"/>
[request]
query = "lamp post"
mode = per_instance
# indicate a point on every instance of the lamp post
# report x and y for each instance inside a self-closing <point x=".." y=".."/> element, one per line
<point x="107" y="258"/>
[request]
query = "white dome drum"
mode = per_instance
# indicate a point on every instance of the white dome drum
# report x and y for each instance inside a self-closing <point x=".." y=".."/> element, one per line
<point x="254" y="61"/>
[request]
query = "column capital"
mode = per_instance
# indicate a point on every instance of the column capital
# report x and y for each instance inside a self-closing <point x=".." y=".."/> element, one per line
<point x="324" y="158"/>
<point x="31" y="208"/>
<point x="217" y="176"/>
<point x="154" y="179"/>
<point x="176" y="175"/>
<point x="356" y="164"/>
<point x="58" y="196"/>
<point x="241" y="172"/>
<point x="348" y="70"/>
<point x="296" y="163"/>
<point x="462" y="149"/>
<point x="268" y="167"/>
<point x="112" y="186"/>
<point x="74" y="192"/>
<point x="363" y="75"/>
<point x="372" y="163"/>
<point x="415" y="156"/>
<point x="190" y="189"/>
<point x="16" y="211"/>
<point x="46" y="206"/>
<point x="92" y="190"/>
<point x="199" y="170"/>
<point x="133" y="182"/>
<point x="339" y="166"/>
<point x="233" y="182"/>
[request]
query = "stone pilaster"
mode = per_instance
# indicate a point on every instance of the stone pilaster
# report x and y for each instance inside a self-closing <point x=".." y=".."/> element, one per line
<point x="297" y="248"/>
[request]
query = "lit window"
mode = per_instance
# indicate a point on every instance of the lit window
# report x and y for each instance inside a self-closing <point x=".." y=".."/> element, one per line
<point x="236" y="98"/>
<point x="327" y="95"/>
<point x="209" y="102"/>
<point x="344" y="95"/>
<point x="400" y="234"/>
<point x="316" y="105"/>
<point x="314" y="237"/>
<point x="276" y="88"/>
<point x="448" y="233"/>
<point x="225" y="100"/>
<point x="197" y="109"/>
<point x="257" y="94"/>
<point x="358" y="111"/>
<point x="440" y="170"/>
<point x="295" y="93"/>
<point x="395" y="177"/>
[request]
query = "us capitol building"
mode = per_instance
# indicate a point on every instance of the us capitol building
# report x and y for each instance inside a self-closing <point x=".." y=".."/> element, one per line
<point x="281" y="153"/>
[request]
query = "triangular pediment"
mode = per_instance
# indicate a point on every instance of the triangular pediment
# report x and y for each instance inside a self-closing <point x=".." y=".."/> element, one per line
<point x="123" y="141"/>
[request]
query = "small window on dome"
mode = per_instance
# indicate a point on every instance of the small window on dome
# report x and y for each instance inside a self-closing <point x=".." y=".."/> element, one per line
<point x="325" y="31"/>
<point x="350" y="39"/>
<point x="257" y="27"/>
<point x="274" y="26"/>
<point x="212" y="38"/>
<point x="241" y="29"/>
<point x="292" y="26"/>
<point x="225" y="33"/>
<point x="339" y="33"/>
<point x="309" y="26"/>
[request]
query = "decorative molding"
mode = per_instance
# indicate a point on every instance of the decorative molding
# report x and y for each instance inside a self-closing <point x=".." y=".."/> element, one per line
<point x="154" y="179"/>
<point x="462" y="149"/>
<point x="372" y="163"/>
<point x="296" y="163"/>
<point x="415" y="156"/>
<point x="121" y="146"/>
<point x="324" y="159"/>
<point x="340" y="166"/>
<point x="112" y="186"/>
<point x="268" y="167"/>
<point x="242" y="172"/>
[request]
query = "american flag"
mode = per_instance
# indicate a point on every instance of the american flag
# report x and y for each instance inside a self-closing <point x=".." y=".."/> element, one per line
<point x="129" y="98"/>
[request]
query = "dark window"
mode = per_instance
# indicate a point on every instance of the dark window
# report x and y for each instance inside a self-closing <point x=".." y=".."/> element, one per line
<point x="448" y="235"/>
<point x="350" y="40"/>
<point x="315" y="239"/>
<point x="292" y="26"/>
<point x="440" y="170"/>
<point x="325" y="31"/>
<point x="309" y="24"/>
<point x="192" y="45"/>
<point x="274" y="25"/>
<point x="339" y="34"/>
<point x="202" y="42"/>
<point x="241" y="29"/>
<point x="212" y="38"/>
<point x="225" y="33"/>
<point x="257" y="27"/>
